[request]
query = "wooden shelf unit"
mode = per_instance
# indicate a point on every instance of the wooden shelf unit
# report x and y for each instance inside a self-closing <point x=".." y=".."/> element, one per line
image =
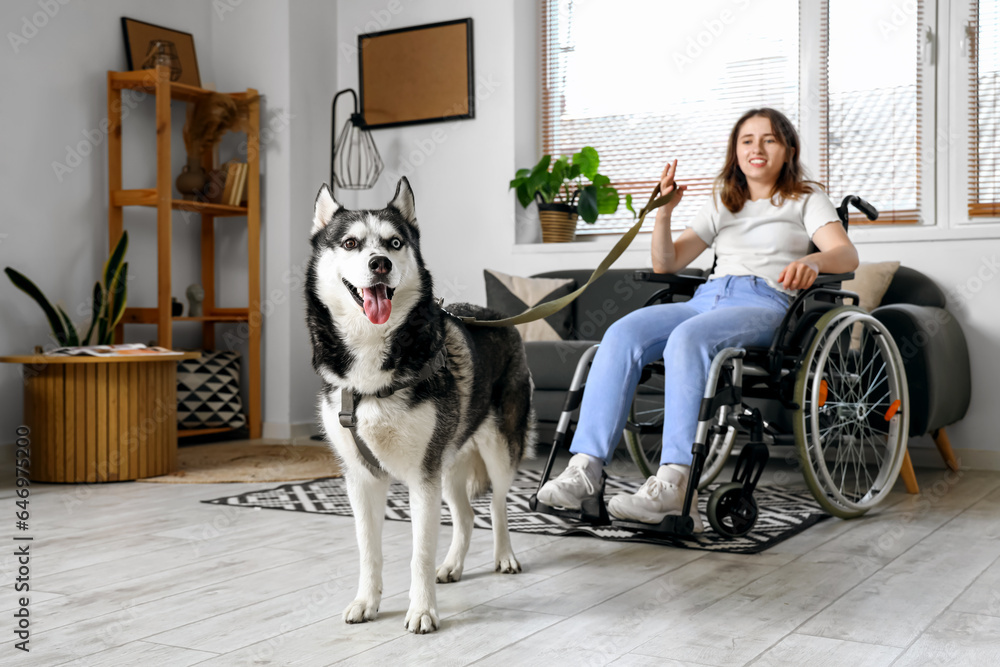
<point x="157" y="82"/>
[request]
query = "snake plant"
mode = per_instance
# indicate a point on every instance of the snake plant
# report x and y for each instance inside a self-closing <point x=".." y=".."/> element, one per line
<point x="108" y="305"/>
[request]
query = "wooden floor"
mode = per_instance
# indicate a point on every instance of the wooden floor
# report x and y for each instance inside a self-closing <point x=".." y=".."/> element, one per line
<point x="144" y="574"/>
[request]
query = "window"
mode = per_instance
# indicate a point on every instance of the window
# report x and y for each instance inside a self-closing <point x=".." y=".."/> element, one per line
<point x="871" y="85"/>
<point x="984" y="111"/>
<point x="646" y="81"/>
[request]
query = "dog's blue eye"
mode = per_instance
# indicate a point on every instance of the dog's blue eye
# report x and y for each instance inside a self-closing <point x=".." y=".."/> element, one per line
<point x="350" y="244"/>
<point x="396" y="244"/>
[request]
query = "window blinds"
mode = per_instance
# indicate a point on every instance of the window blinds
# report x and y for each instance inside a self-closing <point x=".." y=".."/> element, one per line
<point x="984" y="111"/>
<point x="870" y="95"/>
<point x="646" y="82"/>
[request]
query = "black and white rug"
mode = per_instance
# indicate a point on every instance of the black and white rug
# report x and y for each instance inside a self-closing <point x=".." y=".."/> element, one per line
<point x="783" y="513"/>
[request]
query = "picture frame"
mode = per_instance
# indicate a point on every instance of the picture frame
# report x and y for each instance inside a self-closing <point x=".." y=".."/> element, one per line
<point x="146" y="44"/>
<point x="418" y="74"/>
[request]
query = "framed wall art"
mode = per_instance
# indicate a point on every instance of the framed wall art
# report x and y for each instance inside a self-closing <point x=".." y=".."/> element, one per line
<point x="147" y="45"/>
<point x="420" y="74"/>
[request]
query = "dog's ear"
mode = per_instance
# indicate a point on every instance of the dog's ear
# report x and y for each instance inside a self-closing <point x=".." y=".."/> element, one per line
<point x="402" y="201"/>
<point x="326" y="206"/>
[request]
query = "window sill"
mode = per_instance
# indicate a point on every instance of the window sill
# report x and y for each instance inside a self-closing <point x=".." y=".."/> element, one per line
<point x="602" y="244"/>
<point x="860" y="235"/>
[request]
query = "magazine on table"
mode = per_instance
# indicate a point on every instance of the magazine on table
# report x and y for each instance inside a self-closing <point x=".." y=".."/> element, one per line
<point x="125" y="349"/>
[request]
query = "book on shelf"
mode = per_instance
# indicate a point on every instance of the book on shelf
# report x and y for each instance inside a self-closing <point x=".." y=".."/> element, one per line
<point x="232" y="176"/>
<point x="241" y="182"/>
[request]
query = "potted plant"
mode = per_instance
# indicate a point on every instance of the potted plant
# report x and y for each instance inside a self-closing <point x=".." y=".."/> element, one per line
<point x="565" y="188"/>
<point x="108" y="306"/>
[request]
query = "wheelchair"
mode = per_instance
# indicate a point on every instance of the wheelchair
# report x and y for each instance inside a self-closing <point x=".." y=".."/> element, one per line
<point x="831" y="383"/>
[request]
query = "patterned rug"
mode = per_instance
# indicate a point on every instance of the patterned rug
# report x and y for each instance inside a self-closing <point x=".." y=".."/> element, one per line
<point x="783" y="513"/>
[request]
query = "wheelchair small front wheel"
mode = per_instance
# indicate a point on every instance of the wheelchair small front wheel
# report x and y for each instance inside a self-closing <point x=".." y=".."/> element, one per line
<point x="730" y="512"/>
<point x="852" y="421"/>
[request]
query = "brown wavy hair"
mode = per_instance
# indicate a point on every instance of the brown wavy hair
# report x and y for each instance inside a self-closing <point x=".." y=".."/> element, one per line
<point x="791" y="184"/>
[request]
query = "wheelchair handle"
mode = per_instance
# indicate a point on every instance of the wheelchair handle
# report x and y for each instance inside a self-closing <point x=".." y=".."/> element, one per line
<point x="857" y="202"/>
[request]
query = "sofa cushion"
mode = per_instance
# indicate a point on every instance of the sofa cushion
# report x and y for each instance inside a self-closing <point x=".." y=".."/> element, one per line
<point x="553" y="364"/>
<point x="512" y="295"/>
<point x="870" y="282"/>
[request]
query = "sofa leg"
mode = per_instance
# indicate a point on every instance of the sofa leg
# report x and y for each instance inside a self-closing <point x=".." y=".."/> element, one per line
<point x="908" y="475"/>
<point x="944" y="446"/>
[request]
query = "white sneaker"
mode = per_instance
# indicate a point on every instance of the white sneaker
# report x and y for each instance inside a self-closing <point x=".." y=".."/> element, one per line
<point x="578" y="481"/>
<point x="660" y="496"/>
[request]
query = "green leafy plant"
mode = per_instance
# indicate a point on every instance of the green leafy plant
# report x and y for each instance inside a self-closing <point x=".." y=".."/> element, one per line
<point x="108" y="307"/>
<point x="571" y="181"/>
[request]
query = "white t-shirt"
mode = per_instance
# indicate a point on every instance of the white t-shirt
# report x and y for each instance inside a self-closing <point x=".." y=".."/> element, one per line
<point x="762" y="239"/>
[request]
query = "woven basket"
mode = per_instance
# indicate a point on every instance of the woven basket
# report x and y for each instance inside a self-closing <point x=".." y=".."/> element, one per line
<point x="558" y="225"/>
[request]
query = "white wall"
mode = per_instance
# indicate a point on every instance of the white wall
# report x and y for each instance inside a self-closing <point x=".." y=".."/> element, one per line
<point x="287" y="51"/>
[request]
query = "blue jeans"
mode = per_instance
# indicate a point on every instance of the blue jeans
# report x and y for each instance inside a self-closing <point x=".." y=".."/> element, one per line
<point x="731" y="311"/>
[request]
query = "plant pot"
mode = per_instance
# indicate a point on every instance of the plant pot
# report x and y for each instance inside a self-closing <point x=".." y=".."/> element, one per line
<point x="558" y="222"/>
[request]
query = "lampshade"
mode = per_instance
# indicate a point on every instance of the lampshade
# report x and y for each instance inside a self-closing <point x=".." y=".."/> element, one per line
<point x="354" y="161"/>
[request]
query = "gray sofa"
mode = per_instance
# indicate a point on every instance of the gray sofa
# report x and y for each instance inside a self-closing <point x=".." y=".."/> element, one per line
<point x="931" y="341"/>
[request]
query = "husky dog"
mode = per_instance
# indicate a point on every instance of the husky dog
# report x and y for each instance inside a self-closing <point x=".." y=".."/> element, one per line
<point x="441" y="407"/>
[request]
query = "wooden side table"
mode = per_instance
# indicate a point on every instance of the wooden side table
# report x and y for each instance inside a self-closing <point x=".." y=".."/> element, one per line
<point x="101" y="419"/>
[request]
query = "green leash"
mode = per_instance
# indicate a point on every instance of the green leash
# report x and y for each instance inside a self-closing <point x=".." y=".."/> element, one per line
<point x="548" y="308"/>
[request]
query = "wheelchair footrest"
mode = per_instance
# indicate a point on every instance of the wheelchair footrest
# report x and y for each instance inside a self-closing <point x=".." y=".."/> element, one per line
<point x="679" y="526"/>
<point x="596" y="516"/>
<point x="592" y="510"/>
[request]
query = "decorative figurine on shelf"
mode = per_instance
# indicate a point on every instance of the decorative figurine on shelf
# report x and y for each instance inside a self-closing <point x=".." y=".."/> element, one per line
<point x="195" y="295"/>
<point x="176" y="307"/>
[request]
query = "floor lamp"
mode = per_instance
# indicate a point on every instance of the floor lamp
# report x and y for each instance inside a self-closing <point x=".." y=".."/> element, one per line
<point x="354" y="160"/>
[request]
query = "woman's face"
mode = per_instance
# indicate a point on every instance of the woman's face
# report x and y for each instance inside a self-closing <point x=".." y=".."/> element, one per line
<point x="758" y="152"/>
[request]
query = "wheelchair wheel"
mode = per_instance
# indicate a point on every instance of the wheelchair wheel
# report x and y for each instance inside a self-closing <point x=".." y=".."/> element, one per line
<point x="729" y="513"/>
<point x="644" y="434"/>
<point x="853" y="417"/>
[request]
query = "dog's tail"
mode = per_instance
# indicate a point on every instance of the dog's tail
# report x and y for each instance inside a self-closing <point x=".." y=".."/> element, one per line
<point x="479" y="478"/>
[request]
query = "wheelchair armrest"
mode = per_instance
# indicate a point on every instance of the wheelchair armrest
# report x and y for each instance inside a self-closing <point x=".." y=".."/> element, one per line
<point x="674" y="283"/>
<point x="669" y="278"/>
<point x="827" y="278"/>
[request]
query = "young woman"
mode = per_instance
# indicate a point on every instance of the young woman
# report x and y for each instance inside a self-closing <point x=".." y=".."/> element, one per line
<point x="760" y="221"/>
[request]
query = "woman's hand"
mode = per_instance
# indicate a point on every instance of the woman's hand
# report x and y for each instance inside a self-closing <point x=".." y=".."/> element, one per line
<point x="800" y="274"/>
<point x="667" y="185"/>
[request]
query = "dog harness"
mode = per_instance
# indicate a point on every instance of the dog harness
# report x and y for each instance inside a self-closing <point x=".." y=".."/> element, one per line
<point x="347" y="402"/>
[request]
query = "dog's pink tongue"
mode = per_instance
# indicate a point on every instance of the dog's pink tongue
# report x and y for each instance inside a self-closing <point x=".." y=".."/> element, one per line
<point x="377" y="304"/>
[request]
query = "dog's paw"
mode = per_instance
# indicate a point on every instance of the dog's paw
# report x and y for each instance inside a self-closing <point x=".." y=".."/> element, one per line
<point x="420" y="621"/>
<point x="361" y="611"/>
<point x="447" y="573"/>
<point x="508" y="564"/>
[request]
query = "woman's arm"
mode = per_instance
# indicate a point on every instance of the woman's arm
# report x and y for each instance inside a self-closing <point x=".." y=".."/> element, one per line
<point x="671" y="256"/>
<point x="836" y="255"/>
